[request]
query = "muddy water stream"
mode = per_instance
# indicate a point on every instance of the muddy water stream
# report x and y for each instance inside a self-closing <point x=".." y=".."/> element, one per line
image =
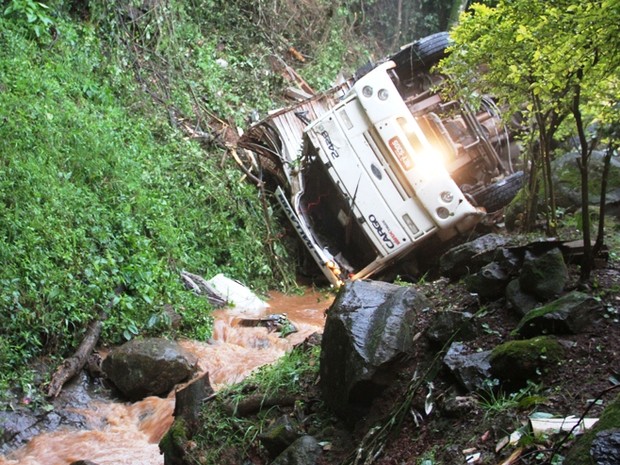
<point x="124" y="433"/>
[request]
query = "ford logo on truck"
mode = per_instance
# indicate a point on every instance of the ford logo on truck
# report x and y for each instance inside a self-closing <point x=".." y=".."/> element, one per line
<point x="380" y="232"/>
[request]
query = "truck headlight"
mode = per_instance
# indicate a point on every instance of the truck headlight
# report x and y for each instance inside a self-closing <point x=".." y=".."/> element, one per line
<point x="367" y="91"/>
<point x="383" y="94"/>
<point x="446" y="196"/>
<point x="443" y="213"/>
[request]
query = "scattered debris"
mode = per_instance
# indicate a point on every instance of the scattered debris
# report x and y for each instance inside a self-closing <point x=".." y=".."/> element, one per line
<point x="274" y="322"/>
<point x="236" y="294"/>
<point x="557" y="425"/>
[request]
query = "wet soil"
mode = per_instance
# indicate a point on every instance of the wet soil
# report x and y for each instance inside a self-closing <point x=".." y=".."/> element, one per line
<point x="582" y="383"/>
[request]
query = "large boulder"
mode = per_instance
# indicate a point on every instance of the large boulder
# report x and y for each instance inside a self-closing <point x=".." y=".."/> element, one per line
<point x="489" y="282"/>
<point x="148" y="367"/>
<point x="471" y="256"/>
<point x="187" y="409"/>
<point x="280" y="434"/>
<point x="369" y="327"/>
<point x="448" y="324"/>
<point x="516" y="362"/>
<point x="518" y="301"/>
<point x="470" y="368"/>
<point x="605" y="448"/>
<point x="601" y="444"/>
<point x="545" y="275"/>
<point x="570" y="314"/>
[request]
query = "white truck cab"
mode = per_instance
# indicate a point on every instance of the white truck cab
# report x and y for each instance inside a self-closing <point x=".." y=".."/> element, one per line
<point x="364" y="173"/>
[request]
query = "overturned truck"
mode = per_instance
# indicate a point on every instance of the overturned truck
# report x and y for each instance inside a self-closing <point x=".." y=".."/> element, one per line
<point x="369" y="169"/>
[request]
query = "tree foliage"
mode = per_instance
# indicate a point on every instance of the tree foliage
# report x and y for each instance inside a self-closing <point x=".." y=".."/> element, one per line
<point x="553" y="62"/>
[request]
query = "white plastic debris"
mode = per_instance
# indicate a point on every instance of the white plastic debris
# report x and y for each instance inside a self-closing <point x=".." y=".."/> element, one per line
<point x="556" y="425"/>
<point x="237" y="295"/>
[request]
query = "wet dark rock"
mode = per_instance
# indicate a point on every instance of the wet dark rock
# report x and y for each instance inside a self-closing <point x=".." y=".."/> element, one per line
<point x="470" y="369"/>
<point x="510" y="259"/>
<point x="520" y="302"/>
<point x="489" y="282"/>
<point x="280" y="435"/>
<point x="516" y="362"/>
<point x="369" y="328"/>
<point x="570" y="314"/>
<point x="174" y="444"/>
<point x="304" y="451"/>
<point x="605" y="448"/>
<point x="148" y="367"/>
<point x="545" y="275"/>
<point x="20" y="424"/>
<point x="470" y="257"/>
<point x="443" y="326"/>
<point x="187" y="409"/>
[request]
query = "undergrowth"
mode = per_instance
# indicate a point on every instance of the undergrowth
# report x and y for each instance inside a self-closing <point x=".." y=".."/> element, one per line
<point x="114" y="174"/>
<point x="227" y="438"/>
<point x="103" y="203"/>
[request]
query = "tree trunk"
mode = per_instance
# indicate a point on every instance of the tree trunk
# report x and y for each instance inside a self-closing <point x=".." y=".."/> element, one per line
<point x="600" y="236"/>
<point x="399" y="25"/>
<point x="458" y="7"/>
<point x="545" y="131"/>
<point x="72" y="366"/>
<point x="583" y="162"/>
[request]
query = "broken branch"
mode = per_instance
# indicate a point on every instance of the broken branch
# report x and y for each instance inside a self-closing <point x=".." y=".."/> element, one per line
<point x="74" y="364"/>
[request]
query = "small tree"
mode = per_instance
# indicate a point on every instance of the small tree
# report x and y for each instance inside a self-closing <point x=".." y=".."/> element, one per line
<point x="555" y="63"/>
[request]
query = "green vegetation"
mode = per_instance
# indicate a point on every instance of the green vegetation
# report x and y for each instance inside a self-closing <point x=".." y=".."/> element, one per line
<point x="555" y="65"/>
<point x="102" y="204"/>
<point x="114" y="123"/>
<point x="494" y="400"/>
<point x="223" y="433"/>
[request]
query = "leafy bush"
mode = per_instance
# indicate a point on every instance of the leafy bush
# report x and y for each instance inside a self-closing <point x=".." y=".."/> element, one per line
<point x="102" y="204"/>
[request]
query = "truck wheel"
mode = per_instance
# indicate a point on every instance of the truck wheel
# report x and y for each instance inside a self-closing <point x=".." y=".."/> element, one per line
<point x="422" y="54"/>
<point x="499" y="194"/>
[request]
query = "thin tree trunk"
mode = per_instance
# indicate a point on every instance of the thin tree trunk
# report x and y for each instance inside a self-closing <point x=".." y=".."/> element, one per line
<point x="600" y="236"/>
<point x="545" y="158"/>
<point x="458" y="6"/>
<point x="583" y="162"/>
<point x="399" y="25"/>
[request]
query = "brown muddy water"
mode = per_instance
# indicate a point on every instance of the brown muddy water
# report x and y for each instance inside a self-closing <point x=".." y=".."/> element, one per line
<point x="129" y="433"/>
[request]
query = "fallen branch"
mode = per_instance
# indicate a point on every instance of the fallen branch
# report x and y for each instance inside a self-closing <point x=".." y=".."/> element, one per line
<point x="256" y="403"/>
<point x="201" y="287"/>
<point x="74" y="364"/>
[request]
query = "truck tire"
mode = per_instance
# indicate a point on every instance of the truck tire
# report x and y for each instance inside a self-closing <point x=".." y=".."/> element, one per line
<point x="499" y="194"/>
<point x="422" y="54"/>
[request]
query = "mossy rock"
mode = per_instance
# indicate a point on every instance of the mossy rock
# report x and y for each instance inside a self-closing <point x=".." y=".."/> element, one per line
<point x="570" y="314"/>
<point x="172" y="445"/>
<point x="516" y="362"/>
<point x="544" y="276"/>
<point x="579" y="454"/>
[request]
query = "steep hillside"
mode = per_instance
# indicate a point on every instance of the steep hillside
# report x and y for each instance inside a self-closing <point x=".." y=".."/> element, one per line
<point x="115" y="118"/>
